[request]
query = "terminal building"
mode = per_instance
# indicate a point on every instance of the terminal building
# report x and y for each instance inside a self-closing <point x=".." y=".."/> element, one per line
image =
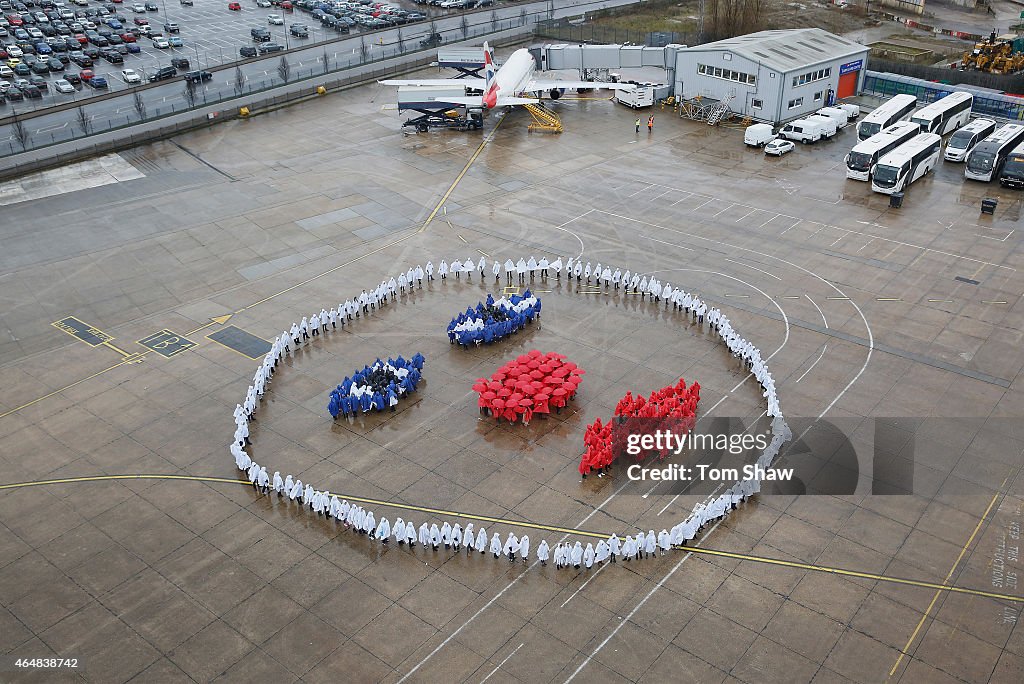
<point x="772" y="76"/>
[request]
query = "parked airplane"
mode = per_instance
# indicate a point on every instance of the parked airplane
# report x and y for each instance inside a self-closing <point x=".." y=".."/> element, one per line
<point x="506" y="86"/>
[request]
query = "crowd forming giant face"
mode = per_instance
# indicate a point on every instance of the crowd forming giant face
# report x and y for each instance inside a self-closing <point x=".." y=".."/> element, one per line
<point x="455" y="537"/>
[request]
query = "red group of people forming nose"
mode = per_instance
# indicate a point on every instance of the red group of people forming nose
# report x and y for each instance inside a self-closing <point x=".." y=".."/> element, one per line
<point x="675" y="406"/>
<point x="532" y="383"/>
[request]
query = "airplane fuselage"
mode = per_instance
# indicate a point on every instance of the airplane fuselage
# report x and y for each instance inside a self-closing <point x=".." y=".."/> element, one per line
<point x="515" y="73"/>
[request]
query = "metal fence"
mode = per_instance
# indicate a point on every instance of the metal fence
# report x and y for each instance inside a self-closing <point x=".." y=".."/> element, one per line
<point x="1005" y="83"/>
<point x="985" y="103"/>
<point x="567" y="32"/>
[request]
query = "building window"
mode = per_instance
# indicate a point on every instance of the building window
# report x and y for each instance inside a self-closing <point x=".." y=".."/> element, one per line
<point x="727" y="56"/>
<point x="756" y="104"/>
<point x="727" y="74"/>
<point x="798" y="102"/>
<point x="817" y="96"/>
<point x="811" y="77"/>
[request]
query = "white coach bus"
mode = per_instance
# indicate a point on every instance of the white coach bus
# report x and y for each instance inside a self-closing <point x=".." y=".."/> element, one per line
<point x="860" y="162"/>
<point x="908" y="162"/>
<point x="963" y="141"/>
<point x="896" y="109"/>
<point x="946" y="114"/>
<point x="986" y="160"/>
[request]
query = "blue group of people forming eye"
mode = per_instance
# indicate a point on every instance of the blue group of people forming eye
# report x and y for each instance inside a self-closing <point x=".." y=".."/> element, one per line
<point x="376" y="387"/>
<point x="493" y="320"/>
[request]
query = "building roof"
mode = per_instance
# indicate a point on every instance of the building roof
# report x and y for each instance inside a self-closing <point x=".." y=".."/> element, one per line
<point x="786" y="50"/>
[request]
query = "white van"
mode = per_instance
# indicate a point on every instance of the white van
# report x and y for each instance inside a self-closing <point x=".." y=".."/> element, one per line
<point x="829" y="124"/>
<point x="758" y="135"/>
<point x="803" y="130"/>
<point x="852" y="110"/>
<point x="836" y="114"/>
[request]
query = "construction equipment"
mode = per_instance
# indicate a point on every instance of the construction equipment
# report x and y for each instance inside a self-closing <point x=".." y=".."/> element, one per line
<point x="994" y="56"/>
<point x="544" y="119"/>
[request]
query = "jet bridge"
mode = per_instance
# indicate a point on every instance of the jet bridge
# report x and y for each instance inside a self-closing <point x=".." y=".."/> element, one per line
<point x="598" y="59"/>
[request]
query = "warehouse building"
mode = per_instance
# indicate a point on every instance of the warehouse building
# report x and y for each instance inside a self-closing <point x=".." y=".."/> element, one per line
<point x="772" y="76"/>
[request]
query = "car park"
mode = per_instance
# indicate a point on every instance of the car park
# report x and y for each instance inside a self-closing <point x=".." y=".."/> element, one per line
<point x="779" y="147"/>
<point x="63" y="87"/>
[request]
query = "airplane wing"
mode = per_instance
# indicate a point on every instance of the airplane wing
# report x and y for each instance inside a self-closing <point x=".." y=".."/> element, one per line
<point x="477" y="83"/>
<point x="535" y="85"/>
<point x="510" y="101"/>
<point x="478" y="101"/>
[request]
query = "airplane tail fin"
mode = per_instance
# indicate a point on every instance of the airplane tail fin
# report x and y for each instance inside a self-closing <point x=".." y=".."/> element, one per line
<point x="488" y="67"/>
<point x="490" y="87"/>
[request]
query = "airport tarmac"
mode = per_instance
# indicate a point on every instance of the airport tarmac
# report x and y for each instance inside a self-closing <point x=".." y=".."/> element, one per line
<point x="905" y="322"/>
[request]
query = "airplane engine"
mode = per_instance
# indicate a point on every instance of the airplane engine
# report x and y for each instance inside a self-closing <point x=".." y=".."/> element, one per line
<point x="556" y="93"/>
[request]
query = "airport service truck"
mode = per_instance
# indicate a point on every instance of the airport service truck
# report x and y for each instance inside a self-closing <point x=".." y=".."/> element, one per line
<point x="642" y="94"/>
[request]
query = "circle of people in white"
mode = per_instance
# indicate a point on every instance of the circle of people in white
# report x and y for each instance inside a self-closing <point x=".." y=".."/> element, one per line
<point x="456" y="536"/>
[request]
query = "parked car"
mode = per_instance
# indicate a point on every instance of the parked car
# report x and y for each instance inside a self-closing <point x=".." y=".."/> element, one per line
<point x="85" y="74"/>
<point x="198" y="76"/>
<point x="176" y="41"/>
<point x="63" y="87"/>
<point x="172" y="27"/>
<point x="131" y="76"/>
<point x="247" y="51"/>
<point x="163" y="73"/>
<point x="260" y="35"/>
<point x="263" y="3"/>
<point x="270" y="47"/>
<point x="779" y="147"/>
<point x="98" y="82"/>
<point x="299" y="30"/>
<point x="275" y="19"/>
<point x="152" y="7"/>
<point x="186" y="3"/>
<point x="160" y="42"/>
<point x="73" y="79"/>
<point x="180" y="63"/>
<point x="234" y="7"/>
<point x="32" y="92"/>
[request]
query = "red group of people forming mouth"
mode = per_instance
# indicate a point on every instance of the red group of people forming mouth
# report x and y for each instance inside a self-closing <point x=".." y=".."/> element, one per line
<point x="675" y="404"/>
<point x="532" y="383"/>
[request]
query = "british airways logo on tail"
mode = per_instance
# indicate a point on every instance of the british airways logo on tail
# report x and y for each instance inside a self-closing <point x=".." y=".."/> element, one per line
<point x="490" y="84"/>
